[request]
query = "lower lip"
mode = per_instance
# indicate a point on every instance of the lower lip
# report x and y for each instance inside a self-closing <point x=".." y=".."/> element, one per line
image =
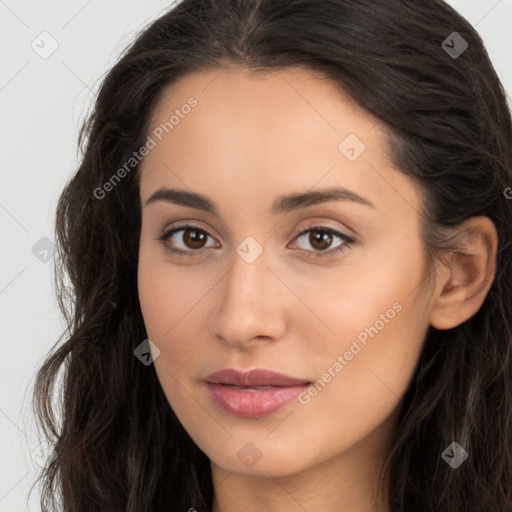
<point x="253" y="404"/>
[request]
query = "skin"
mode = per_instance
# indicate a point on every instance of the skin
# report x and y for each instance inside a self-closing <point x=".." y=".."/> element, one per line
<point x="250" y="139"/>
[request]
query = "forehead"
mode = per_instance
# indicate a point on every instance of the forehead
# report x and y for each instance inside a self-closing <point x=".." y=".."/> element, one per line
<point x="261" y="105"/>
<point x="259" y="132"/>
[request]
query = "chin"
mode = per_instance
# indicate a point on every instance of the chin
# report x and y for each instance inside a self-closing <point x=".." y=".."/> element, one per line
<point x="257" y="459"/>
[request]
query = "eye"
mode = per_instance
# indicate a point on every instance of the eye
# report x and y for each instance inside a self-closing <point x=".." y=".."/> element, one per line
<point x="192" y="238"/>
<point x="321" y="237"/>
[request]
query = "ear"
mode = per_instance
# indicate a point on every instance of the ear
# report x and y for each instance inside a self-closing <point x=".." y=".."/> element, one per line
<point x="467" y="274"/>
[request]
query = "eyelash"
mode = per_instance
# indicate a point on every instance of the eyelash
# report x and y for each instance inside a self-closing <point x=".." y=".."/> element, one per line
<point x="316" y="254"/>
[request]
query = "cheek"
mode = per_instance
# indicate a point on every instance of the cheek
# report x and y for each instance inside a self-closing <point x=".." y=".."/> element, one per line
<point x="168" y="303"/>
<point x="374" y="298"/>
<point x="374" y="322"/>
<point x="172" y="302"/>
<point x="167" y="295"/>
<point x="369" y="388"/>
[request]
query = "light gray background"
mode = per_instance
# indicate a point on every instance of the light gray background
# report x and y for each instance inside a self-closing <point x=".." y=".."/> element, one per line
<point x="42" y="103"/>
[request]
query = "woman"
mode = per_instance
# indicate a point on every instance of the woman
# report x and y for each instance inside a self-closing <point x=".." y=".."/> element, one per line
<point x="288" y="245"/>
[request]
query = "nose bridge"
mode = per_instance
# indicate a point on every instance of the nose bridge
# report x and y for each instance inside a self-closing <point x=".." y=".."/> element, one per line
<point x="248" y="273"/>
<point x="249" y="305"/>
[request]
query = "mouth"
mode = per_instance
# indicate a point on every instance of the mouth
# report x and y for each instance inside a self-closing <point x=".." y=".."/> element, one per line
<point x="253" y="393"/>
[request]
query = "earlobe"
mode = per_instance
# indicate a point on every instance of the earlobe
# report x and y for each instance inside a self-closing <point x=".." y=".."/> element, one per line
<point x="465" y="279"/>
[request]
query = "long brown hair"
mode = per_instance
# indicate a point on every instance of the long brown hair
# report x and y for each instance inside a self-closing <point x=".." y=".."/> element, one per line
<point x="118" y="445"/>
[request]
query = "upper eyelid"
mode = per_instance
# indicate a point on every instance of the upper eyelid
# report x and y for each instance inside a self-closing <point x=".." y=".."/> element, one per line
<point x="173" y="230"/>
<point x="321" y="227"/>
<point x="319" y="220"/>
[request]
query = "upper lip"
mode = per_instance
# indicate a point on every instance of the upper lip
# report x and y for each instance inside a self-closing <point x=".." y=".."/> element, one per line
<point x="254" y="377"/>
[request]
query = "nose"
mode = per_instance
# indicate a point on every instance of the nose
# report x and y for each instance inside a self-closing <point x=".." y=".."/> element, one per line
<point x="252" y="305"/>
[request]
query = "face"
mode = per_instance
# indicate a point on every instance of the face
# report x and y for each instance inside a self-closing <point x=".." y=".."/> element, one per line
<point x="329" y="290"/>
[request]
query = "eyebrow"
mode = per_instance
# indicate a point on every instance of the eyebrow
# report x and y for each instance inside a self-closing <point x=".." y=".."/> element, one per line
<point x="282" y="204"/>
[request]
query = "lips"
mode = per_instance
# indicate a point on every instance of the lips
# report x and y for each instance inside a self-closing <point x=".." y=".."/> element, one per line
<point x="253" y="393"/>
<point x="253" y="378"/>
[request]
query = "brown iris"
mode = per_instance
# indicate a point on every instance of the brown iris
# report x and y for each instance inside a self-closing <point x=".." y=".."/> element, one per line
<point x="323" y="238"/>
<point x="193" y="238"/>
